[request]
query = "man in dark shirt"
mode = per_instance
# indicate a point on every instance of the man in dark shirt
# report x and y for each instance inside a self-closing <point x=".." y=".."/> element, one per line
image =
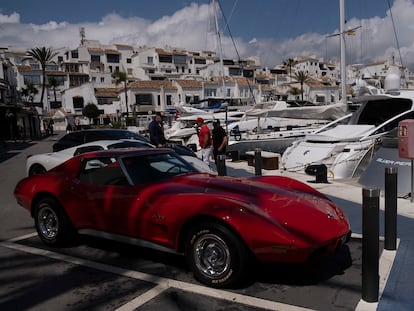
<point x="156" y="131"/>
<point x="219" y="136"/>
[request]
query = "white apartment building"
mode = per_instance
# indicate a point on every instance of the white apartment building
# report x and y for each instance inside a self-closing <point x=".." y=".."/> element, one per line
<point x="315" y="67"/>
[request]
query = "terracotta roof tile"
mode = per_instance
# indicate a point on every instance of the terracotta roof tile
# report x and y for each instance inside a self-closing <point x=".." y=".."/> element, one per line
<point x="111" y="51"/>
<point x="244" y="82"/>
<point x="189" y="83"/>
<point x="95" y="50"/>
<point x="23" y="68"/>
<point x="152" y="84"/>
<point x="107" y="92"/>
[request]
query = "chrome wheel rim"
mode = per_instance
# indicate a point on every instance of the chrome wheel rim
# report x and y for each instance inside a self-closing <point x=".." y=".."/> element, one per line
<point x="48" y="222"/>
<point x="211" y="256"/>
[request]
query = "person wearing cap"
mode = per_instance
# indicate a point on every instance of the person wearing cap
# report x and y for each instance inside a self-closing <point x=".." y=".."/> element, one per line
<point x="219" y="136"/>
<point x="204" y="139"/>
<point x="156" y="131"/>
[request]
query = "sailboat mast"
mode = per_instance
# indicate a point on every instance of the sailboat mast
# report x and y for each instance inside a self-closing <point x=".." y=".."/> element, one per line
<point x="219" y="47"/>
<point x="342" y="36"/>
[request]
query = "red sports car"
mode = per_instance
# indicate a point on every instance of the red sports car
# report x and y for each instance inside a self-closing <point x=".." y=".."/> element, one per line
<point x="153" y="197"/>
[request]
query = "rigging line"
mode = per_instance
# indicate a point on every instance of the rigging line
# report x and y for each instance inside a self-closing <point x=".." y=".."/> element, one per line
<point x="395" y="33"/>
<point x="226" y="26"/>
<point x="235" y="47"/>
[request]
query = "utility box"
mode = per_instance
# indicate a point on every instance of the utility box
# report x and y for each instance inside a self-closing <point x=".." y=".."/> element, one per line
<point x="406" y="139"/>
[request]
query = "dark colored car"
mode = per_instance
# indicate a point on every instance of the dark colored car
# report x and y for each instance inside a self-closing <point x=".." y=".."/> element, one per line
<point x="85" y="136"/>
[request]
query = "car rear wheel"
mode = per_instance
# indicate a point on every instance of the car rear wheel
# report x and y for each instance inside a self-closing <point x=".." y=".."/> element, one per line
<point x="217" y="257"/>
<point x="36" y="169"/>
<point x="52" y="224"/>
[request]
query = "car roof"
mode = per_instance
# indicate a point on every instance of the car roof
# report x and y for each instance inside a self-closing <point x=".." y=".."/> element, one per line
<point x="127" y="152"/>
<point x="104" y="143"/>
<point x="101" y="131"/>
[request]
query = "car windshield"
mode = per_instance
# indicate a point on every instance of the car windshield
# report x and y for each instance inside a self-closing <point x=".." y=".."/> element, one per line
<point x="155" y="167"/>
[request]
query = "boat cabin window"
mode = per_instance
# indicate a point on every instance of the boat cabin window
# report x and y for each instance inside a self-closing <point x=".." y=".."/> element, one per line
<point x="376" y="112"/>
<point x="389" y="126"/>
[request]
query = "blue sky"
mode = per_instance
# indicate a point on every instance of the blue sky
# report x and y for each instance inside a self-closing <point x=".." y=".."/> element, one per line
<point x="270" y="29"/>
<point x="259" y="18"/>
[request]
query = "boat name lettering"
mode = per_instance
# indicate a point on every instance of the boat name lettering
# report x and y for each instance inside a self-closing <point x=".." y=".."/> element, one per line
<point x="397" y="163"/>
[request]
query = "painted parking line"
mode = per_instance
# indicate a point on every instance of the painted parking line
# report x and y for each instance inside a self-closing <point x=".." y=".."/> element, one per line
<point x="162" y="283"/>
<point x="144" y="298"/>
<point x="386" y="261"/>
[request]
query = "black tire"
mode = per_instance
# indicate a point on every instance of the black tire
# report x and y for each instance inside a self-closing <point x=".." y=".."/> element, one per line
<point x="36" y="169"/>
<point x="217" y="257"/>
<point x="52" y="224"/>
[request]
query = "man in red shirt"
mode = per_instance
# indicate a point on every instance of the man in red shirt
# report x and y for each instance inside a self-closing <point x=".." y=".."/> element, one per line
<point x="204" y="139"/>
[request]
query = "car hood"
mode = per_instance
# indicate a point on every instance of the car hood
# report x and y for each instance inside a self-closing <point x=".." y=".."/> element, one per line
<point x="298" y="208"/>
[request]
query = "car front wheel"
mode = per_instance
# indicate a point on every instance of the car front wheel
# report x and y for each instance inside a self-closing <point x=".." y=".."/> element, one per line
<point x="217" y="257"/>
<point x="52" y="224"/>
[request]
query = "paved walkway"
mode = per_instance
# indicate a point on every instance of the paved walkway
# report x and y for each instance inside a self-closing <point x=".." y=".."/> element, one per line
<point x="397" y="267"/>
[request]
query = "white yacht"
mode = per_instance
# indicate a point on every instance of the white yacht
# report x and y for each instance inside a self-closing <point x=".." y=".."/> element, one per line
<point x="274" y="125"/>
<point x="341" y="145"/>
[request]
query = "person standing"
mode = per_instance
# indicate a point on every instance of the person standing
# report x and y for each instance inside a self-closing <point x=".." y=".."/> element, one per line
<point x="220" y="140"/>
<point x="204" y="139"/>
<point x="156" y="131"/>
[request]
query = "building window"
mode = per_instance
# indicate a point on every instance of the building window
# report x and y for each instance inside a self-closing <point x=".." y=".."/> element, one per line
<point x="210" y="92"/>
<point x="129" y="71"/>
<point x="102" y="79"/>
<point x="55" y="105"/>
<point x="75" y="54"/>
<point x="93" y="79"/>
<point x="200" y="61"/>
<point x="169" y="100"/>
<point x="77" y="102"/>
<point x="35" y="80"/>
<point x="60" y="79"/>
<point x="95" y="58"/>
<point x="105" y="100"/>
<point x="129" y="61"/>
<point x="60" y="58"/>
<point x="52" y="67"/>
<point x="165" y="58"/>
<point x="143" y="99"/>
<point x="112" y="58"/>
<point x="235" y="71"/>
<point x="150" y="60"/>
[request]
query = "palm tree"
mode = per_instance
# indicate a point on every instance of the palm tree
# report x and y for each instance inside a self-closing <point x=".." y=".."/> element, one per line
<point x="302" y="78"/>
<point x="53" y="82"/>
<point x="289" y="63"/>
<point x="121" y="77"/>
<point x="43" y="55"/>
<point x="29" y="92"/>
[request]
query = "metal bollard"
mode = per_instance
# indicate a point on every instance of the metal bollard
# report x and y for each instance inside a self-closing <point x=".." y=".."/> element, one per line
<point x="370" y="244"/>
<point x="390" y="226"/>
<point x="258" y="162"/>
<point x="221" y="165"/>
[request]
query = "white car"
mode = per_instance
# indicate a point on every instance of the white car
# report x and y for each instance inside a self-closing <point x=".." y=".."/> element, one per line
<point x="40" y="163"/>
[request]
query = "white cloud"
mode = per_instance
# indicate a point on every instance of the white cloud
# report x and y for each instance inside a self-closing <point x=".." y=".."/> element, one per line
<point x="191" y="28"/>
<point x="12" y="18"/>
